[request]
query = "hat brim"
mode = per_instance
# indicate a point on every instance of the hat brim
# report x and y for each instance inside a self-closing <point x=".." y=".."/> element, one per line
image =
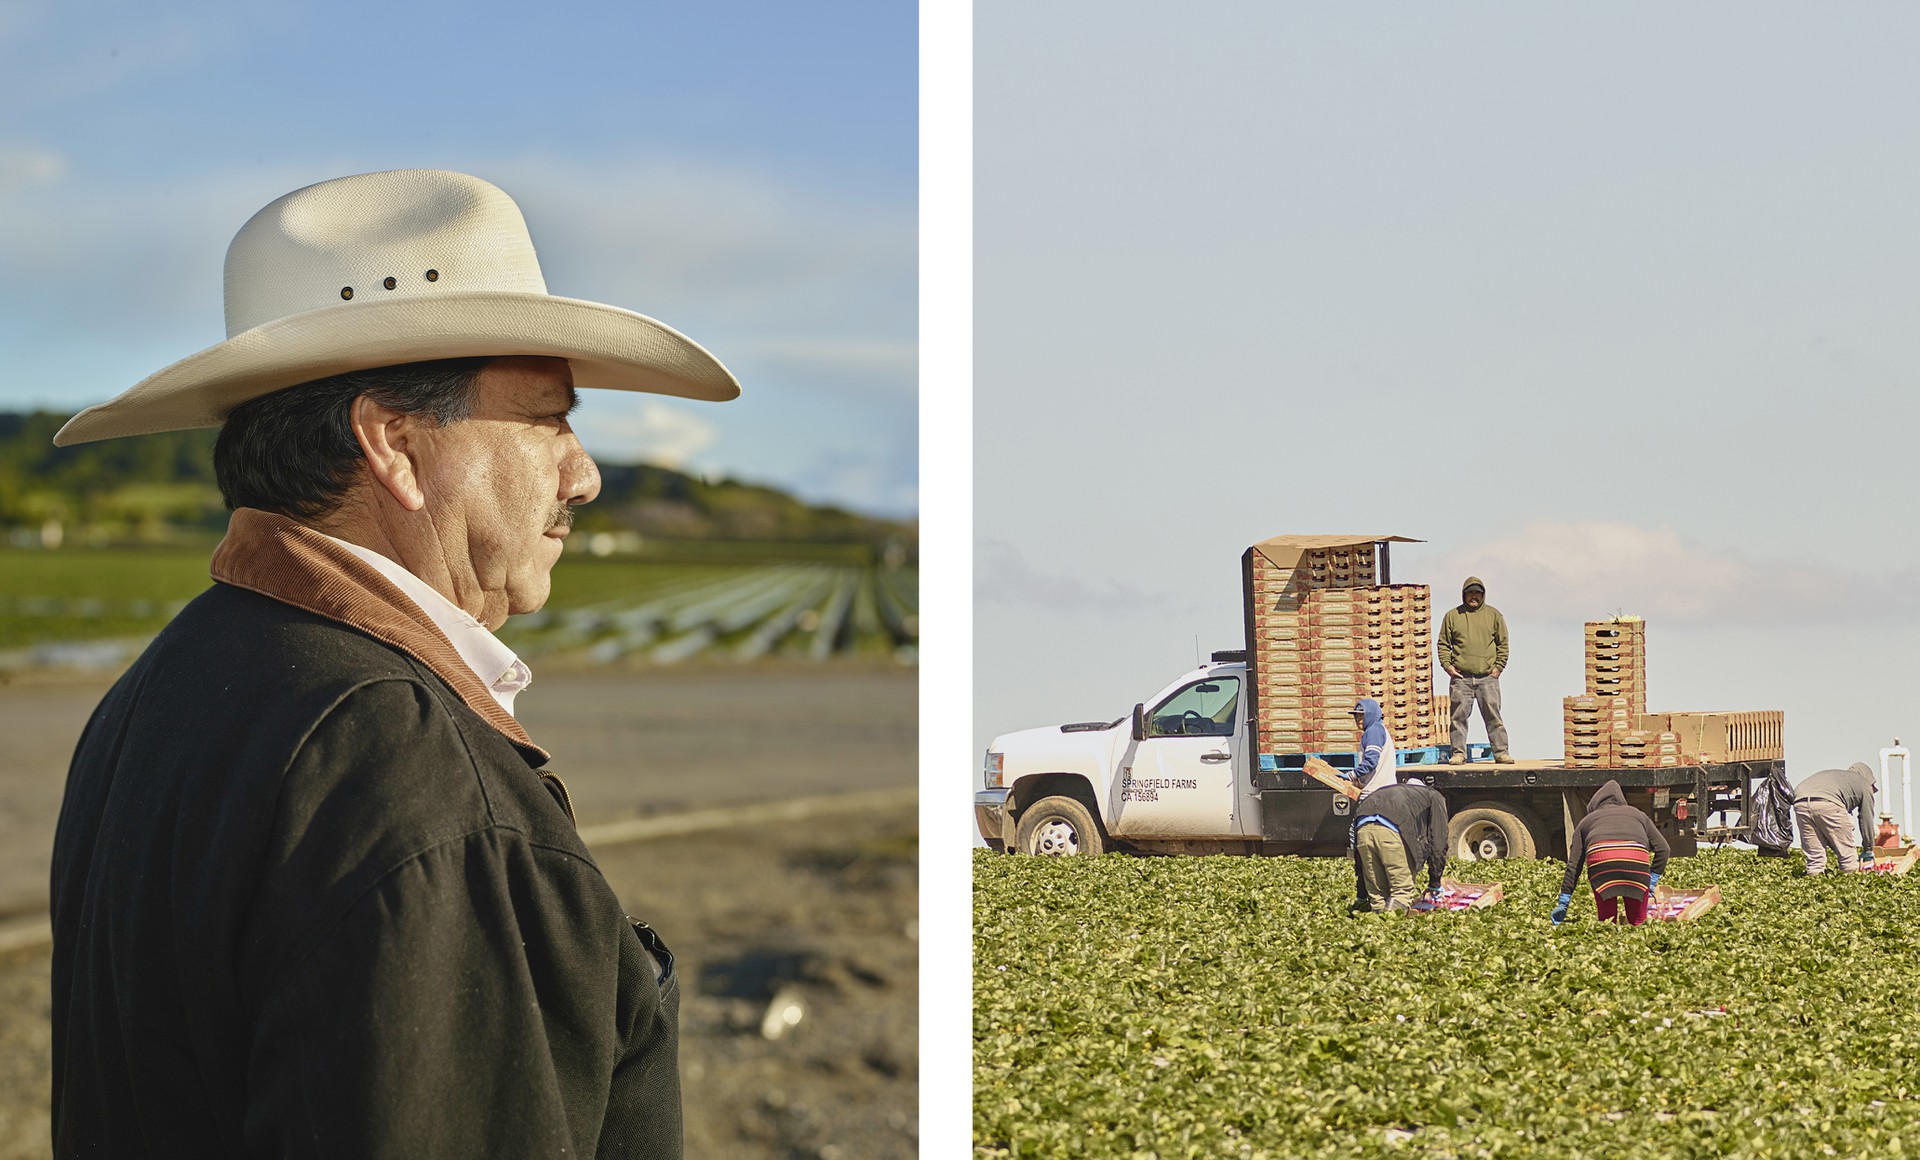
<point x="608" y="348"/>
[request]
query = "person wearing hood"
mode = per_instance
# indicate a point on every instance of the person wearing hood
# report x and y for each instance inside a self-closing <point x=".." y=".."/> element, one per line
<point x="1473" y="651"/>
<point x="1376" y="765"/>
<point x="1395" y="829"/>
<point x="1622" y="853"/>
<point x="1820" y="807"/>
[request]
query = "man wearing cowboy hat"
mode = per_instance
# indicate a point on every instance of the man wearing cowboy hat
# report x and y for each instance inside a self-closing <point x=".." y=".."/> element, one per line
<point x="313" y="893"/>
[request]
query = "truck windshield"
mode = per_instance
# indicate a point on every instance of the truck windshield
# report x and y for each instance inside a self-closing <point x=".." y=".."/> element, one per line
<point x="1205" y="709"/>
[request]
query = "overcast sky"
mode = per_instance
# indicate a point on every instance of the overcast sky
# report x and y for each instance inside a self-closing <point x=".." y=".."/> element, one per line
<point x="743" y="170"/>
<point x="1615" y="306"/>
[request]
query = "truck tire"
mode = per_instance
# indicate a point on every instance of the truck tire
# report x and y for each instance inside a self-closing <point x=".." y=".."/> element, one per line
<point x="1058" y="827"/>
<point x="1488" y="830"/>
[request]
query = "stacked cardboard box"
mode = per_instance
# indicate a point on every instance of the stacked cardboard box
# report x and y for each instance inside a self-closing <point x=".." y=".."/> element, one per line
<point x="1348" y="567"/>
<point x="1276" y="641"/>
<point x="1322" y="635"/>
<point x="1644" y="748"/>
<point x="1398" y="633"/>
<point x="1710" y="738"/>
<point x="1590" y="725"/>
<point x="1610" y="726"/>
<point x="1617" y="660"/>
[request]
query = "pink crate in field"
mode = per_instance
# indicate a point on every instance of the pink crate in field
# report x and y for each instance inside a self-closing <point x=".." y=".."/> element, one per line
<point x="1681" y="905"/>
<point x="1456" y="895"/>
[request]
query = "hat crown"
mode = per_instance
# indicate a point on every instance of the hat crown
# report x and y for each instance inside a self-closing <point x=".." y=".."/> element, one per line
<point x="337" y="243"/>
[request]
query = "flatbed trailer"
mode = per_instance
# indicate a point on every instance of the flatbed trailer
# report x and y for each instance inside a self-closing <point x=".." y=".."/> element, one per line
<point x="1183" y="775"/>
<point x="1524" y="809"/>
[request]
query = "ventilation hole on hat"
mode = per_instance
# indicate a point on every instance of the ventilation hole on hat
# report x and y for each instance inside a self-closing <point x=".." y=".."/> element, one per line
<point x="391" y="282"/>
<point x="433" y="275"/>
<point x="346" y="292"/>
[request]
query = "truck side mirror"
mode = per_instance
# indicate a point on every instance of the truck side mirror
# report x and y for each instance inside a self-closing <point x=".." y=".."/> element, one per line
<point x="1139" y="722"/>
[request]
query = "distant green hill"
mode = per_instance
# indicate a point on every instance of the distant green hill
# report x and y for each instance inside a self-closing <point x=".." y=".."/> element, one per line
<point x="160" y="487"/>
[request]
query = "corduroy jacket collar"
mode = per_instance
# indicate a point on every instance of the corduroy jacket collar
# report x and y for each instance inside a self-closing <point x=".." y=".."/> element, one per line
<point x="276" y="557"/>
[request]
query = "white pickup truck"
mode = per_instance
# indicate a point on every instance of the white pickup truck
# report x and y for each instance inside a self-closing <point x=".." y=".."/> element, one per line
<point x="1180" y="775"/>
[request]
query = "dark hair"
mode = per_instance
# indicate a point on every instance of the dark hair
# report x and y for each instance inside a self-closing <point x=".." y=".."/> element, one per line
<point x="293" y="451"/>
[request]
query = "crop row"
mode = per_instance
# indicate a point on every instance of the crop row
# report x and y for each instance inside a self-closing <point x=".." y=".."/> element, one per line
<point x="1229" y="1007"/>
<point x="95" y="609"/>
<point x="812" y="610"/>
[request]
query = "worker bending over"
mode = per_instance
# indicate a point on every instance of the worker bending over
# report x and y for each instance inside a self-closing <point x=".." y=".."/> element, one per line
<point x="1821" y="804"/>
<point x="1396" y="828"/>
<point x="1623" y="854"/>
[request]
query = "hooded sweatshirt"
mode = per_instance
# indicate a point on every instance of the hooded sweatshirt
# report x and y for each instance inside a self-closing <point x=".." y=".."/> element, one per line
<point x="1377" y="765"/>
<point x="1852" y="787"/>
<point x="1473" y="642"/>
<point x="1611" y="820"/>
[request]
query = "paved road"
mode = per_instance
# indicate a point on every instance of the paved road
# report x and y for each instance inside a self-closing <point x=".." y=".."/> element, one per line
<point x="627" y="743"/>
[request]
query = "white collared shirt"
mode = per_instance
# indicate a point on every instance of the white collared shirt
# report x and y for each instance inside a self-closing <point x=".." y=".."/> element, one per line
<point x="499" y="669"/>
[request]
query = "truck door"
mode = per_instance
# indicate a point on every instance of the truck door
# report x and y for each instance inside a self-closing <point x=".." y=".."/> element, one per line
<point x="1178" y="783"/>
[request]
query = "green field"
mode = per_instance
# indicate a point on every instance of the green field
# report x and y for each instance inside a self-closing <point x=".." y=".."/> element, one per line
<point x="1228" y="1007"/>
<point x="677" y="602"/>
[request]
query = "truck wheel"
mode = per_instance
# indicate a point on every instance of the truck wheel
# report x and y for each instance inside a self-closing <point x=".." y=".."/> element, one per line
<point x="1058" y="827"/>
<point x="1491" y="830"/>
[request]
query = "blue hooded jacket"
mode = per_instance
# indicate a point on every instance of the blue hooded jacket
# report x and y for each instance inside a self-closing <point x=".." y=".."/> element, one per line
<point x="1375" y="747"/>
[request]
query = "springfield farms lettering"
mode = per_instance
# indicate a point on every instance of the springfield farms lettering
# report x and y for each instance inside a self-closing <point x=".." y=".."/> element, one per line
<point x="1147" y="789"/>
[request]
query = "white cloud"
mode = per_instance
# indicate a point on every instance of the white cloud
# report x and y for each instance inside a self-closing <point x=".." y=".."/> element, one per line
<point x="1001" y="575"/>
<point x="732" y="257"/>
<point x="890" y="363"/>
<point x="652" y="432"/>
<point x="1587" y="570"/>
<point x="24" y="166"/>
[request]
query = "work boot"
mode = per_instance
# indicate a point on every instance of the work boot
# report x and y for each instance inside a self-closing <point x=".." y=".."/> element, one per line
<point x="1459" y="757"/>
<point x="1503" y="758"/>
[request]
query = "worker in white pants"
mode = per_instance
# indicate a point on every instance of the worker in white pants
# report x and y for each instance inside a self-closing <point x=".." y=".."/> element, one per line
<point x="1833" y="808"/>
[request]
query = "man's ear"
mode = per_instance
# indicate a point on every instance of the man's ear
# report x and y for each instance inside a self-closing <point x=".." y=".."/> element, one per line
<point x="389" y="440"/>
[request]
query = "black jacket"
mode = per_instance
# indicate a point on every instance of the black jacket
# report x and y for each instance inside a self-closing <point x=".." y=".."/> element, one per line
<point x="1420" y="814"/>
<point x="308" y="902"/>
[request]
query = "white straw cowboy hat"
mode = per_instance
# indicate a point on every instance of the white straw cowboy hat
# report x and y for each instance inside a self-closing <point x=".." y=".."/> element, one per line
<point x="386" y="268"/>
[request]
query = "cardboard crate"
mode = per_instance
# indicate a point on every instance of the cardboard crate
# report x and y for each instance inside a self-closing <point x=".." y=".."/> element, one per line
<point x="1895" y="860"/>
<point x="1456" y="896"/>
<point x="1343" y="614"/>
<point x="1330" y="777"/>
<point x="1713" y="738"/>
<point x="1589" y="709"/>
<point x="1668" y="905"/>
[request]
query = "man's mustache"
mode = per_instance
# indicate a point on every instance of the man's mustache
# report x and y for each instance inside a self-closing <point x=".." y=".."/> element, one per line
<point x="562" y="517"/>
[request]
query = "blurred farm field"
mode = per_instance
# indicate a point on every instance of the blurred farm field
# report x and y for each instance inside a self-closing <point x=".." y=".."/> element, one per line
<point x="1229" y="1007"/>
<point x="93" y="607"/>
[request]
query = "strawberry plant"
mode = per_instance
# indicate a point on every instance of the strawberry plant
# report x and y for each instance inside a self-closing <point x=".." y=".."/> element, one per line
<point x="1229" y="1007"/>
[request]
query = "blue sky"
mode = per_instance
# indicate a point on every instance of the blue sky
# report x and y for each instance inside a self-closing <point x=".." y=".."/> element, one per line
<point x="1613" y="305"/>
<point x="745" y="172"/>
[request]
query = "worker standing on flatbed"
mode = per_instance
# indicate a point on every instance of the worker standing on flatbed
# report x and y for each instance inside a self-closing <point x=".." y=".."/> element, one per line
<point x="1622" y="853"/>
<point x="1821" y="804"/>
<point x="1473" y="651"/>
<point x="1396" y="828"/>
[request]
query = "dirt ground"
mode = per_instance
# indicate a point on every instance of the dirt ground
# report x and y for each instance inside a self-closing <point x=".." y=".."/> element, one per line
<point x="815" y="921"/>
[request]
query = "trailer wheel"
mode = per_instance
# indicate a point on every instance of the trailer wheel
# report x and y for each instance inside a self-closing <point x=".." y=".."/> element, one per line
<point x="1491" y="830"/>
<point x="1058" y="827"/>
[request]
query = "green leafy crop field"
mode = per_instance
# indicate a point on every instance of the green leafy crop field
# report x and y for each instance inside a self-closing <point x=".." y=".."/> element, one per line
<point x="1228" y="1007"/>
<point x="740" y="600"/>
